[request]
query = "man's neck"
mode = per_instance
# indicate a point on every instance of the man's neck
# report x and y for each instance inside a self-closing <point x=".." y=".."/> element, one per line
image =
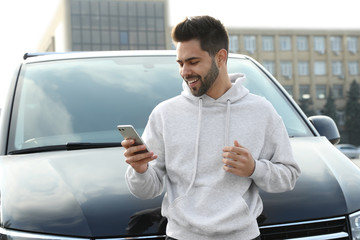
<point x="220" y="87"/>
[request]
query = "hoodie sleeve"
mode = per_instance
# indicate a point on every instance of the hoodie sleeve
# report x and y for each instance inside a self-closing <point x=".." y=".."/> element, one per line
<point x="276" y="170"/>
<point x="149" y="184"/>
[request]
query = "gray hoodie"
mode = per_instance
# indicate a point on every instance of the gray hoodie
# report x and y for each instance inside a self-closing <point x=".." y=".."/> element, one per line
<point x="188" y="133"/>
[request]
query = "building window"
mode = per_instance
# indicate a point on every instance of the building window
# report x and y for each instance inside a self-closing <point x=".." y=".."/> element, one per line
<point x="319" y="44"/>
<point x="338" y="91"/>
<point x="336" y="45"/>
<point x="302" y="43"/>
<point x="286" y="69"/>
<point x="95" y="37"/>
<point x="352" y="44"/>
<point x="353" y="68"/>
<point x="340" y="117"/>
<point x="270" y="66"/>
<point x="250" y="43"/>
<point x="285" y="43"/>
<point x="268" y="43"/>
<point x="124" y="37"/>
<point x="337" y="68"/>
<point x="290" y="90"/>
<point x="304" y="91"/>
<point x="303" y="68"/>
<point x="321" y="91"/>
<point x="319" y="68"/>
<point x="233" y="43"/>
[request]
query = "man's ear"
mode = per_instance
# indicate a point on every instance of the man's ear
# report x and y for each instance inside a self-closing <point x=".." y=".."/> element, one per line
<point x="221" y="57"/>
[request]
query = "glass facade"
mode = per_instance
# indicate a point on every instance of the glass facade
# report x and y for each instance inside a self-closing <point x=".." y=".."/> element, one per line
<point x="117" y="25"/>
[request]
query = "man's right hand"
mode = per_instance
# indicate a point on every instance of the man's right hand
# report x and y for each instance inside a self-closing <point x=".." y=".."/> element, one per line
<point x="139" y="161"/>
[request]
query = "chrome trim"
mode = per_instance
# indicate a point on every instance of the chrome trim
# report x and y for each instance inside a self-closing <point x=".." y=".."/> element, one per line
<point x="322" y="237"/>
<point x="317" y="237"/>
<point x="13" y="233"/>
<point x="302" y="223"/>
<point x="29" y="235"/>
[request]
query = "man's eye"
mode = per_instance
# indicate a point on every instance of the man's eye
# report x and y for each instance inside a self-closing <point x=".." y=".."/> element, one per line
<point x="193" y="63"/>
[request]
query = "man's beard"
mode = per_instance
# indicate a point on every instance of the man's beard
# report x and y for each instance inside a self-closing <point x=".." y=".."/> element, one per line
<point x="208" y="80"/>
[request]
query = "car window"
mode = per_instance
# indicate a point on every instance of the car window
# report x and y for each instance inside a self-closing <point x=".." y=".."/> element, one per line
<point x="83" y="100"/>
<point x="258" y="83"/>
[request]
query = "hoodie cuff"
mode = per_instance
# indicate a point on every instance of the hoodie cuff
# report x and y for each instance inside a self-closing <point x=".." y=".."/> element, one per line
<point x="137" y="177"/>
<point x="258" y="170"/>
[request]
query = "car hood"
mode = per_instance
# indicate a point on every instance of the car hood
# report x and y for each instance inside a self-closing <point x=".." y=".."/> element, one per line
<point x="83" y="192"/>
<point x="328" y="185"/>
<point x="75" y="193"/>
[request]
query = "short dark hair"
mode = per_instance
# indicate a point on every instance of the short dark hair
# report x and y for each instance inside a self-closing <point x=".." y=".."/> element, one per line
<point x="209" y="31"/>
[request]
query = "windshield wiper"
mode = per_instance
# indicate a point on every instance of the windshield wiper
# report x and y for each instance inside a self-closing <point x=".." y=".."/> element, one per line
<point x="68" y="147"/>
<point x="82" y="145"/>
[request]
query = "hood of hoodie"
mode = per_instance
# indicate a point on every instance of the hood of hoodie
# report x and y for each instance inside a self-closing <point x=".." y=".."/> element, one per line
<point x="235" y="93"/>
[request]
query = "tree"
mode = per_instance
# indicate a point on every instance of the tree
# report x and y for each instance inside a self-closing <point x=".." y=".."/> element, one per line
<point x="304" y="104"/>
<point x="352" y="119"/>
<point x="330" y="107"/>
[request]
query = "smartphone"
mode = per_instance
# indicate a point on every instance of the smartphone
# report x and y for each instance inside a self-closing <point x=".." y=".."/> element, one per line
<point x="128" y="131"/>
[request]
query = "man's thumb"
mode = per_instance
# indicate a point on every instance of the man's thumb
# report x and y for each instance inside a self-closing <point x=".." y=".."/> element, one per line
<point x="237" y="144"/>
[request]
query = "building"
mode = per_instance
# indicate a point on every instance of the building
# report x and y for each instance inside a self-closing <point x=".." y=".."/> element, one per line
<point x="308" y="63"/>
<point x="99" y="25"/>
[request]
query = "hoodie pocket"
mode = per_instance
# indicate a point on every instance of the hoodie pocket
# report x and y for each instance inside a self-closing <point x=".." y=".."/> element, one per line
<point x="208" y="211"/>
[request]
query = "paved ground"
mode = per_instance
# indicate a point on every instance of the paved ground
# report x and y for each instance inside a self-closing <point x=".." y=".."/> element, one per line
<point x="356" y="161"/>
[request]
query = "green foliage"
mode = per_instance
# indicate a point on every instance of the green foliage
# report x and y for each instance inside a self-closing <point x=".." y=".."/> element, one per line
<point x="352" y="121"/>
<point x="305" y="105"/>
<point x="330" y="107"/>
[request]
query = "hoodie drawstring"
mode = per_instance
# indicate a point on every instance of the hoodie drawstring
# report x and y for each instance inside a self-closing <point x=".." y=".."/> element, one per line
<point x="227" y="124"/>
<point x="196" y="147"/>
<point x="226" y="141"/>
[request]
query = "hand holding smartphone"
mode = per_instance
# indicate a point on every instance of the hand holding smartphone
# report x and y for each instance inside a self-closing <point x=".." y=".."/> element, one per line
<point x="140" y="165"/>
<point x="128" y="131"/>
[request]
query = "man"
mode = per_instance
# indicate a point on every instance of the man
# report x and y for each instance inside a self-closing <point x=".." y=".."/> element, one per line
<point x="214" y="145"/>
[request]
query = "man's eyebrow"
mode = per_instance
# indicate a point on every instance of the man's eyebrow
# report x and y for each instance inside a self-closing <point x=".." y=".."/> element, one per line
<point x="188" y="59"/>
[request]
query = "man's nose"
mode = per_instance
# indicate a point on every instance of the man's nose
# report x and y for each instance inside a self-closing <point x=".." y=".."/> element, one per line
<point x="185" y="70"/>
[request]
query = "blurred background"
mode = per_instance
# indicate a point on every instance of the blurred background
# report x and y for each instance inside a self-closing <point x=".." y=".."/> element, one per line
<point x="311" y="47"/>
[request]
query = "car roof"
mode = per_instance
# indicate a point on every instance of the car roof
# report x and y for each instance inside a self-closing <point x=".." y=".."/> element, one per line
<point x="48" y="56"/>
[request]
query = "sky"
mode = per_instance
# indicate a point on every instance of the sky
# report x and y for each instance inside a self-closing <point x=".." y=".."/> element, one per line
<point x="22" y="22"/>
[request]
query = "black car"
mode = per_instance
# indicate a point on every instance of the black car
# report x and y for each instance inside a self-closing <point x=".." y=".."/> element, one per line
<point x="62" y="165"/>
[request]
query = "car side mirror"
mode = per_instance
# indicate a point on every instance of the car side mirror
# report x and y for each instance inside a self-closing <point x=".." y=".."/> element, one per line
<point x="326" y="127"/>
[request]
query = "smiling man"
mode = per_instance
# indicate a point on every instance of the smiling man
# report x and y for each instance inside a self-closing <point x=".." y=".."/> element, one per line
<point x="193" y="61"/>
<point x="214" y="145"/>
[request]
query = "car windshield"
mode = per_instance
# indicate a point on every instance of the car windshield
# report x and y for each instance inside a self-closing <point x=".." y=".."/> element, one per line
<point x="83" y="100"/>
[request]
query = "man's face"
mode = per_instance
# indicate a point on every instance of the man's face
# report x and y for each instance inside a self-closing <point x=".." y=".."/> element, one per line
<point x="197" y="68"/>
